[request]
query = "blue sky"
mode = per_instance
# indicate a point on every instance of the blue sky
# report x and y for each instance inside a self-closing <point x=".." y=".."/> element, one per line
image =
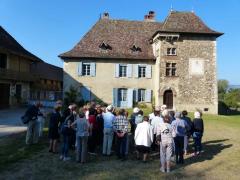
<point x="50" y="27"/>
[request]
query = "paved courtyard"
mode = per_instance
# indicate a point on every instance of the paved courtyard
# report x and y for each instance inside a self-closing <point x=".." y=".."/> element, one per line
<point x="10" y="121"/>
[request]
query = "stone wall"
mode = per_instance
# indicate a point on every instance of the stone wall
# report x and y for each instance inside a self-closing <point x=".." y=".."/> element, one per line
<point x="191" y="90"/>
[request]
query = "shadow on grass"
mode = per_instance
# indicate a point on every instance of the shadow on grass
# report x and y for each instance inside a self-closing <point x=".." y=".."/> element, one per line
<point x="211" y="149"/>
<point x="13" y="149"/>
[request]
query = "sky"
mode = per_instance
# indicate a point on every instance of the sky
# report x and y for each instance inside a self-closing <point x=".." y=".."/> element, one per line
<point x="48" y="28"/>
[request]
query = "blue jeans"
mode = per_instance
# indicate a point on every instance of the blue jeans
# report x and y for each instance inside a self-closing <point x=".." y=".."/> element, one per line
<point x="65" y="145"/>
<point x="197" y="137"/>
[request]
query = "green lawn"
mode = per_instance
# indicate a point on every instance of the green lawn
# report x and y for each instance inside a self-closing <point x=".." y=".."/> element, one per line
<point x="220" y="160"/>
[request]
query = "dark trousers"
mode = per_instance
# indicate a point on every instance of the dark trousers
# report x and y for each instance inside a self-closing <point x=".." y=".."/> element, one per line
<point x="92" y="141"/>
<point x="121" y="146"/>
<point x="154" y="146"/>
<point x="197" y="137"/>
<point x="65" y="145"/>
<point x="179" y="143"/>
<point x="72" y="140"/>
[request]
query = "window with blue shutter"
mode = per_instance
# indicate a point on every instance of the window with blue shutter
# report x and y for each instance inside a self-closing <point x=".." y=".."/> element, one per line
<point x="135" y="95"/>
<point x="129" y="70"/>
<point x="148" y="95"/>
<point x="149" y="71"/>
<point x="136" y="70"/>
<point x="93" y="69"/>
<point x="130" y="98"/>
<point x="116" y="70"/>
<point x="86" y="93"/>
<point x="115" y="97"/>
<point x="79" y="69"/>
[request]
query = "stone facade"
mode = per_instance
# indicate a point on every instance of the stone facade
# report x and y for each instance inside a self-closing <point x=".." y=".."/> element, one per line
<point x="190" y="91"/>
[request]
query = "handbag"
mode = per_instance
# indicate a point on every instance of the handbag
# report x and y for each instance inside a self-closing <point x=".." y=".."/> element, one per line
<point x="25" y="119"/>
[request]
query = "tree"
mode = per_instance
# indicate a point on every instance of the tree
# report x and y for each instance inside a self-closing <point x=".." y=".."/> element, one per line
<point x="70" y="96"/>
<point x="232" y="98"/>
<point x="222" y="88"/>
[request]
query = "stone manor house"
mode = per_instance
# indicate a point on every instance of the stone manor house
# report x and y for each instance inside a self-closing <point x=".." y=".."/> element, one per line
<point x="125" y="62"/>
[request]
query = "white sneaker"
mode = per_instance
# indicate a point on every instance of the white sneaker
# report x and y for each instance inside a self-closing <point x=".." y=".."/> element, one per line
<point x="61" y="157"/>
<point x="162" y="169"/>
<point x="66" y="158"/>
<point x="168" y="170"/>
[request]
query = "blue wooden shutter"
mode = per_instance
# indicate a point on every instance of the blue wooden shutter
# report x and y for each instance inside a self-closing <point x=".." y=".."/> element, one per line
<point x="129" y="70"/>
<point x="93" y="69"/>
<point x="135" y="95"/>
<point x="86" y="93"/>
<point x="148" y="71"/>
<point x="148" y="95"/>
<point x="116" y="70"/>
<point x="136" y="70"/>
<point x="115" y="97"/>
<point x="130" y="98"/>
<point x="79" y="69"/>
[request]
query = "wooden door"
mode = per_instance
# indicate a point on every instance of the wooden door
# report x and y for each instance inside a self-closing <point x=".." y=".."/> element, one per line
<point x="168" y="99"/>
<point x="4" y="95"/>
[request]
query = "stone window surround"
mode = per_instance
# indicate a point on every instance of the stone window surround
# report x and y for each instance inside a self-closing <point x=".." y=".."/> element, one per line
<point x="172" y="66"/>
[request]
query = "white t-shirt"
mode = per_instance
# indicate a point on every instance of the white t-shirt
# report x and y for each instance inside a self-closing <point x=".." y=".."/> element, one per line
<point x="155" y="122"/>
<point x="143" y="134"/>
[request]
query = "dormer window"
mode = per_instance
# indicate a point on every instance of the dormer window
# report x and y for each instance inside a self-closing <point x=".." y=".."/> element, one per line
<point x="136" y="48"/>
<point x="105" y="46"/>
<point x="171" y="51"/>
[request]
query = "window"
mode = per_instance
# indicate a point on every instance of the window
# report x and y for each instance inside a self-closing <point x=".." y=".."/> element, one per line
<point x="86" y="69"/>
<point x="3" y="61"/>
<point x="122" y="70"/>
<point x="141" y="71"/>
<point x="141" y="95"/>
<point x="171" y="51"/>
<point x="171" y="69"/>
<point x="122" y="94"/>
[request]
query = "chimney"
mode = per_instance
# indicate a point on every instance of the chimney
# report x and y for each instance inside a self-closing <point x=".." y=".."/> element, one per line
<point x="150" y="17"/>
<point x="105" y="15"/>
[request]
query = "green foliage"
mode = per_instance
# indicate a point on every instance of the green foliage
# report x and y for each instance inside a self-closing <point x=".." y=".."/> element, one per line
<point x="232" y="98"/>
<point x="222" y="86"/>
<point x="71" y="96"/>
<point x="142" y="105"/>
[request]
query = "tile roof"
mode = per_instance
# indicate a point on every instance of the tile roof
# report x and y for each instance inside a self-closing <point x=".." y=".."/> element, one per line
<point x="186" y="22"/>
<point x="8" y="43"/>
<point x="47" y="71"/>
<point x="121" y="36"/>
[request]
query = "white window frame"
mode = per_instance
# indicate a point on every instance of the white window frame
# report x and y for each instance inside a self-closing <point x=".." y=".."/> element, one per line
<point x="122" y="94"/>
<point x="142" y="71"/>
<point x="86" y="71"/>
<point x="171" y="51"/>
<point x="141" y="95"/>
<point x="122" y="72"/>
<point x="172" y="66"/>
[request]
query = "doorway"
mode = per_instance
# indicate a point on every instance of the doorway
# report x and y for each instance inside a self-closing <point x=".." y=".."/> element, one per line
<point x="168" y="99"/>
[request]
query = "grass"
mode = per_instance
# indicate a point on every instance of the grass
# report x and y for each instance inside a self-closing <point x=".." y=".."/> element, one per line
<point x="220" y="160"/>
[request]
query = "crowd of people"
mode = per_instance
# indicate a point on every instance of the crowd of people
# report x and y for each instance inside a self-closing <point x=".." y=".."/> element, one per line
<point x="92" y="127"/>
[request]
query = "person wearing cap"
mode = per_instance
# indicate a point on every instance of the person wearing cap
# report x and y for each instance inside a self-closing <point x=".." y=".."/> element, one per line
<point x="132" y="119"/>
<point x="198" y="129"/>
<point x="82" y="133"/>
<point x="108" y="119"/>
<point x="32" y="126"/>
<point x="53" y="134"/>
<point x="156" y="120"/>
<point x="179" y="131"/>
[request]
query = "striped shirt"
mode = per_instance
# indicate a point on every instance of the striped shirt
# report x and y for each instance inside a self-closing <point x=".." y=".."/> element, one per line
<point x="120" y="124"/>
